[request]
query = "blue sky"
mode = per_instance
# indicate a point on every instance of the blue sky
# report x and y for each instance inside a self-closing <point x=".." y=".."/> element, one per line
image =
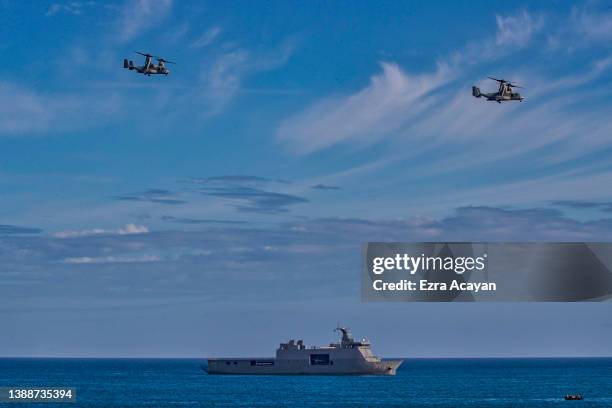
<point x="237" y="190"/>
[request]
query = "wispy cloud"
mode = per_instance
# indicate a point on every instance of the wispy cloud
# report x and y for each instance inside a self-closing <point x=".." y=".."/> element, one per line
<point x="33" y="112"/>
<point x="200" y="221"/>
<point x="140" y="16"/>
<point x="177" y="33"/>
<point x="13" y="229"/>
<point x="207" y="38"/>
<point x="129" y="229"/>
<point x="111" y="259"/>
<point x="248" y="193"/>
<point x="583" y="204"/>
<point x="379" y="109"/>
<point x="222" y="81"/>
<point x="324" y="187"/>
<point x="593" y="25"/>
<point x="238" y="179"/>
<point x="518" y="29"/>
<point x="157" y="196"/>
<point x="475" y="223"/>
<point x="586" y="25"/>
<point x="73" y="7"/>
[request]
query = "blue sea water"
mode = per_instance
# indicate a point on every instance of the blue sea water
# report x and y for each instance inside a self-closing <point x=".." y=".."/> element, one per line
<point x="418" y="383"/>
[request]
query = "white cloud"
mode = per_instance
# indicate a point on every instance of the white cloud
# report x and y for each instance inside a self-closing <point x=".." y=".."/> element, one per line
<point x="382" y="107"/>
<point x="129" y="229"/>
<point x="29" y="111"/>
<point x="111" y="259"/>
<point x="224" y="77"/>
<point x="140" y="16"/>
<point x="132" y="229"/>
<point x="594" y="26"/>
<point x="73" y="7"/>
<point x="517" y="30"/>
<point x="223" y="80"/>
<point x="207" y="38"/>
<point x="177" y="33"/>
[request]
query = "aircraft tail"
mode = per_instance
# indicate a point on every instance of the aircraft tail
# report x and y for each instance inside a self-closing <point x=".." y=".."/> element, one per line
<point x="128" y="64"/>
<point x="476" y="92"/>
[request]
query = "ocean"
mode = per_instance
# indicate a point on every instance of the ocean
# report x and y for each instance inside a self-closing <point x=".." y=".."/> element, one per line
<point x="418" y="383"/>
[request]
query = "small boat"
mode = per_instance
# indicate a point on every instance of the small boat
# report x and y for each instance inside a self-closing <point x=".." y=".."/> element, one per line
<point x="573" y="397"/>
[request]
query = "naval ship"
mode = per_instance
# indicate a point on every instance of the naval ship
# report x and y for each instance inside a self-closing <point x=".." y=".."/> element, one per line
<point x="293" y="358"/>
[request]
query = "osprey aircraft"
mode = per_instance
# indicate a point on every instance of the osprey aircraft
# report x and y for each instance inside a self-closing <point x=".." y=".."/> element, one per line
<point x="149" y="68"/>
<point x="504" y="93"/>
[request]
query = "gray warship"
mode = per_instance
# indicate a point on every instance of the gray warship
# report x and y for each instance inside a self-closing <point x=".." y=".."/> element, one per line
<point x="348" y="357"/>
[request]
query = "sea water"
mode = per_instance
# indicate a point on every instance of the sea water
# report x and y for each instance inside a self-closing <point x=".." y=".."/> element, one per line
<point x="418" y="383"/>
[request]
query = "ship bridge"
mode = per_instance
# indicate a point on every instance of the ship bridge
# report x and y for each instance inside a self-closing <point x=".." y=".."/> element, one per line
<point x="347" y="340"/>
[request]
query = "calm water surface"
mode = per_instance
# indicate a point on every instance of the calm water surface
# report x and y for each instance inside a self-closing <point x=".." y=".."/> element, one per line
<point x="418" y="383"/>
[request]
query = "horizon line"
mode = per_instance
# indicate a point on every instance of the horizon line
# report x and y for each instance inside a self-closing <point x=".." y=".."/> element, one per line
<point x="206" y="358"/>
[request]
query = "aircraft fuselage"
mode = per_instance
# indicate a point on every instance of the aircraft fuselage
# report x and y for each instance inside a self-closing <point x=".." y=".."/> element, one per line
<point x="502" y="98"/>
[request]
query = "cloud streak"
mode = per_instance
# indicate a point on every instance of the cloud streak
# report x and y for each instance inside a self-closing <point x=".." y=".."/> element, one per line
<point x="386" y="104"/>
<point x="139" y="16"/>
<point x="324" y="187"/>
<point x="86" y="260"/>
<point x="249" y="194"/>
<point x="32" y="112"/>
<point x="156" y="196"/>
<point x="518" y="29"/>
<point x="13" y="229"/>
<point x="222" y="81"/>
<point x="207" y="38"/>
<point x="129" y="229"/>
<point x="74" y="8"/>
<point x="199" y="221"/>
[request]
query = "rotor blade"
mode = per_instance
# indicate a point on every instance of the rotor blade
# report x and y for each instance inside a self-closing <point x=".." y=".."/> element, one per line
<point x="165" y="60"/>
<point x="143" y="54"/>
<point x="498" y="80"/>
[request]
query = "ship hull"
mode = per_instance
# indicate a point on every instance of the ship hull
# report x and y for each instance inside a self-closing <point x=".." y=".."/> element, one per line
<point x="246" y="366"/>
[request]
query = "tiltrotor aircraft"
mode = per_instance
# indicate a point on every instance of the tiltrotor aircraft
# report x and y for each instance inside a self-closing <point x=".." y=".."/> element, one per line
<point x="504" y="93"/>
<point x="149" y="68"/>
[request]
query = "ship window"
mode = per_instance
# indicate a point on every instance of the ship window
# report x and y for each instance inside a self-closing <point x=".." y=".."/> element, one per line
<point x="227" y="362"/>
<point x="319" y="359"/>
<point x="235" y="362"/>
<point x="260" y="363"/>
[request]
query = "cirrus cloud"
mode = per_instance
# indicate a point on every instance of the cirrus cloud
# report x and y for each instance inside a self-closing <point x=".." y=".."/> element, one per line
<point x="129" y="229"/>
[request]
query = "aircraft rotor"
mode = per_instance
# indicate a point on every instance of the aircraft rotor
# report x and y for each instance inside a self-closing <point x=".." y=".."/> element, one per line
<point x="164" y="60"/>
<point x="503" y="81"/>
